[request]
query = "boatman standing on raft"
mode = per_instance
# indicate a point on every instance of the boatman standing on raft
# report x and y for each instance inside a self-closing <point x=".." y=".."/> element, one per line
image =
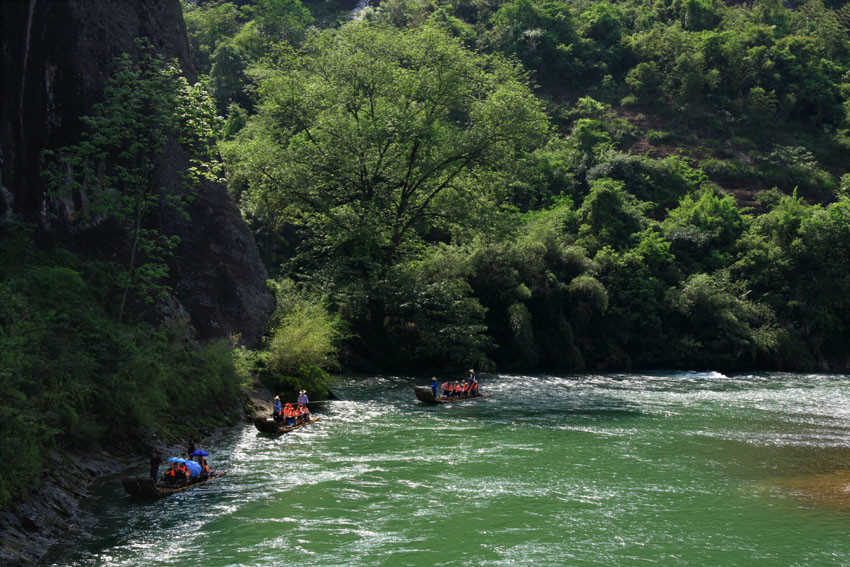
<point x="277" y="412"/>
<point x="302" y="398"/>
<point x="156" y="460"/>
<point x="434" y="386"/>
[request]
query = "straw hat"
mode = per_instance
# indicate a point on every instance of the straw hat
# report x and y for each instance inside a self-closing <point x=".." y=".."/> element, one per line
<point x="471" y="370"/>
<point x="277" y="397"/>
<point x="303" y="392"/>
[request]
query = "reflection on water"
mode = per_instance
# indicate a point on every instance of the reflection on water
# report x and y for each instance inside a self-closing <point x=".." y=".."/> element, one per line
<point x="681" y="468"/>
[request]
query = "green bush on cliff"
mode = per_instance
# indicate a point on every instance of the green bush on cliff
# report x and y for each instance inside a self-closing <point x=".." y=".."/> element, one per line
<point x="302" y="345"/>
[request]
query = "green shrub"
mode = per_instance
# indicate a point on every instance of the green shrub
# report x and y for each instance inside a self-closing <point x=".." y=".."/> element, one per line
<point x="303" y="342"/>
<point x="657" y="137"/>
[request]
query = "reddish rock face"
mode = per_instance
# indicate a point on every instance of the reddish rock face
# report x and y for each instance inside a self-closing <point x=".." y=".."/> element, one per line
<point x="55" y="58"/>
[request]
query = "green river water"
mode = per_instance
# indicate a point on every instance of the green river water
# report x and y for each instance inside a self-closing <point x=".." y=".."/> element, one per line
<point x="689" y="468"/>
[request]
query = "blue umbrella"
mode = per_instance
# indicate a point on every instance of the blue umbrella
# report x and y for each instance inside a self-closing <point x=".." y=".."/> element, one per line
<point x="194" y="469"/>
<point x="201" y="453"/>
<point x="176" y="460"/>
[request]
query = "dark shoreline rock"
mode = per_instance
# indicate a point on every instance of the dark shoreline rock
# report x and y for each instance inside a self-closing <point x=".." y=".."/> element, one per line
<point x="29" y="528"/>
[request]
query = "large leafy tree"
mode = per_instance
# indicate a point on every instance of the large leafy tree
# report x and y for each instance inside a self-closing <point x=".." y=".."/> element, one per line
<point x="372" y="139"/>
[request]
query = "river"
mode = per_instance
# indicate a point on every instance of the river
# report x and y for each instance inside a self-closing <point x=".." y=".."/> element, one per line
<point x="667" y="469"/>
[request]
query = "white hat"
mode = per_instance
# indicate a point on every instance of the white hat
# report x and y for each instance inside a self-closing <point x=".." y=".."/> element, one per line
<point x="471" y="370"/>
<point x="303" y="392"/>
<point x="277" y="397"/>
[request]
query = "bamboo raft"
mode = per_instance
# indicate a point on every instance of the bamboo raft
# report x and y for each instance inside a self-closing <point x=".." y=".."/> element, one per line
<point x="424" y="394"/>
<point x="144" y="486"/>
<point x="269" y="425"/>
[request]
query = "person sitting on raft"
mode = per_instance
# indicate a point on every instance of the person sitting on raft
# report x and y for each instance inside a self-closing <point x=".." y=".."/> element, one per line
<point x="289" y="415"/>
<point x="205" y="468"/>
<point x="304" y="414"/>
<point x="170" y="476"/>
<point x="176" y="474"/>
<point x="446" y="388"/>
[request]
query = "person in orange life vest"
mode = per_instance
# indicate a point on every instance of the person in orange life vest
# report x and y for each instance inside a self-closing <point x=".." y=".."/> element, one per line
<point x="446" y="387"/>
<point x="176" y="474"/>
<point x="474" y="387"/>
<point x="457" y="389"/>
<point x="305" y="414"/>
<point x="205" y="468"/>
<point x="170" y="475"/>
<point x="289" y="415"/>
<point x="181" y="472"/>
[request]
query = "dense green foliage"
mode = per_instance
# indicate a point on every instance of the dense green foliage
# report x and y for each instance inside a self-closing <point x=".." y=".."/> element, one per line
<point x="425" y="118"/>
<point x="73" y="377"/>
<point x="75" y="371"/>
<point x="606" y="233"/>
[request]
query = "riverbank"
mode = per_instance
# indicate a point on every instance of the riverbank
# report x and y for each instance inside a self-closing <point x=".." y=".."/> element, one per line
<point x="28" y="529"/>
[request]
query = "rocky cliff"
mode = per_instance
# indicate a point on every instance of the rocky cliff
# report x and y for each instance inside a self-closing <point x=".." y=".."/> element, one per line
<point x="55" y="58"/>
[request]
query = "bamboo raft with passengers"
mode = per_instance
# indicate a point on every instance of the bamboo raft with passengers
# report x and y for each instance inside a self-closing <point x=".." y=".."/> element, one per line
<point x="269" y="425"/>
<point x="286" y="418"/>
<point x="145" y="487"/>
<point x="450" y="392"/>
<point x="425" y="395"/>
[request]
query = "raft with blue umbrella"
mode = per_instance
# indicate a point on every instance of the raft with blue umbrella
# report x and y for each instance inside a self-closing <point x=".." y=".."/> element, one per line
<point x="145" y="487"/>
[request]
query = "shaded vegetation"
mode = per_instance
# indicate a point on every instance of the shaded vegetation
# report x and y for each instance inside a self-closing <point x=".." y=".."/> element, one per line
<point x="73" y="377"/>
